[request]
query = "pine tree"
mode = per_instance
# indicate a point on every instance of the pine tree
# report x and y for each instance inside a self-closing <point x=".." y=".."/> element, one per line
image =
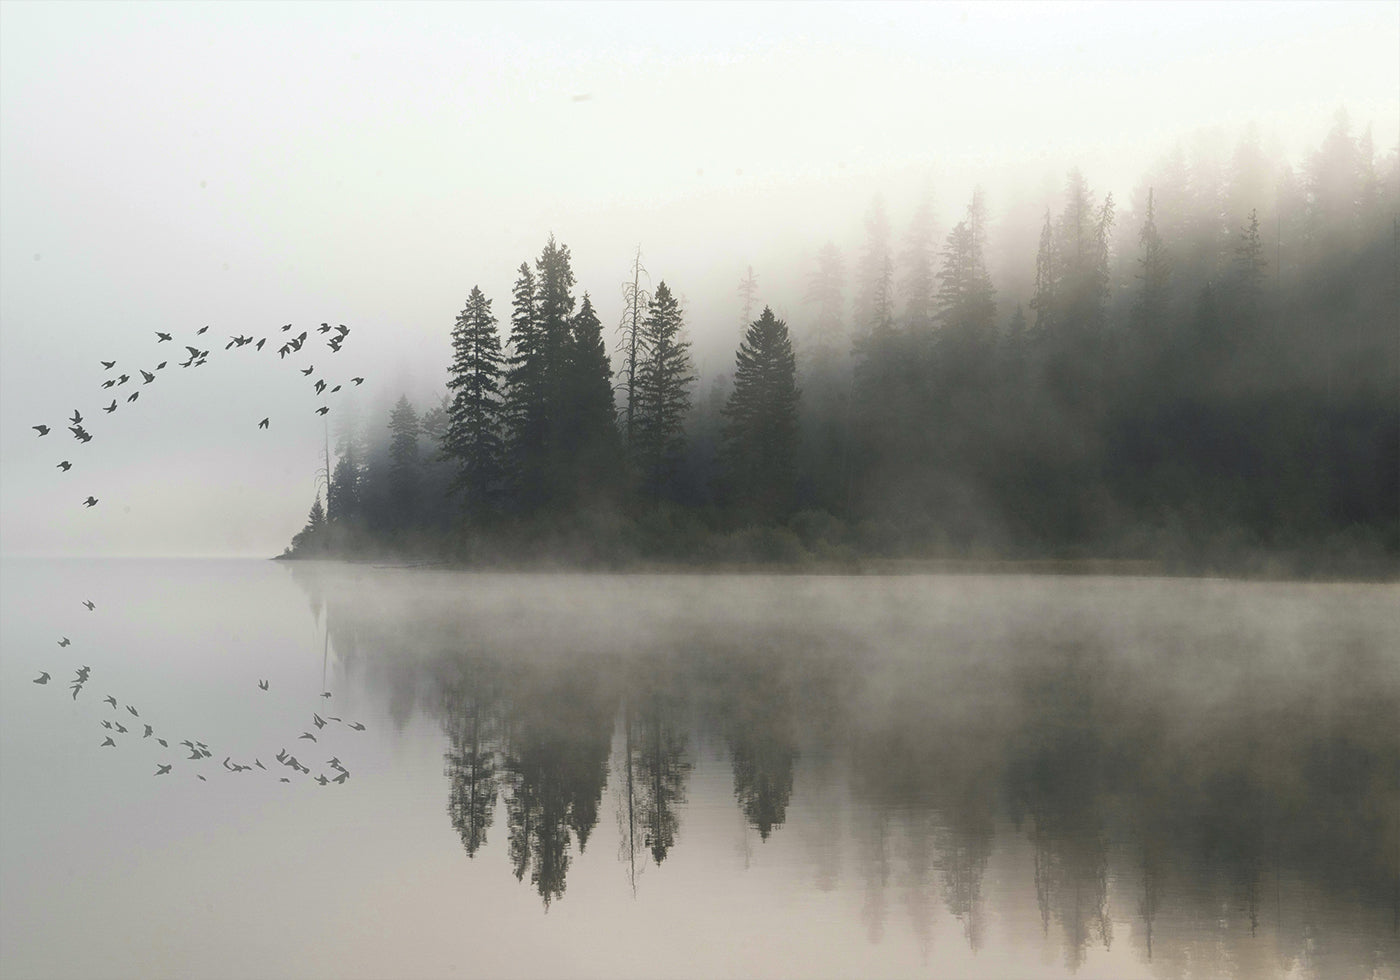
<point x="874" y="290"/>
<point x="590" y="419"/>
<point x="1155" y="272"/>
<point x="1249" y="269"/>
<point x="748" y="292"/>
<point x="965" y="304"/>
<point x="663" y="393"/>
<point x="760" y="428"/>
<point x="824" y="290"/>
<point x="473" y="441"/>
<point x="405" y="476"/>
<point x="1045" y="301"/>
<point x="918" y="280"/>
<point x="527" y="424"/>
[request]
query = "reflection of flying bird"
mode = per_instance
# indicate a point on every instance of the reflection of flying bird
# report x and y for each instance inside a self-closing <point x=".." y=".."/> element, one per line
<point x="43" y="430"/>
<point x="263" y="423"/>
<point x="161" y="337"/>
<point x="65" y="466"/>
<point x="90" y="502"/>
<point x="42" y="678"/>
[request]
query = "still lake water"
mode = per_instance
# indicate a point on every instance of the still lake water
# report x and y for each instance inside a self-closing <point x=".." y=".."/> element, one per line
<point x="599" y="775"/>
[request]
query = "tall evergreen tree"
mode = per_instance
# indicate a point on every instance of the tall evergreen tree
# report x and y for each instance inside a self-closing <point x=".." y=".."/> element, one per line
<point x="1250" y="265"/>
<point x="824" y="291"/>
<point x="525" y="409"/>
<point x="748" y="292"/>
<point x="473" y="440"/>
<point x="760" y="428"/>
<point x="663" y="394"/>
<point x="1154" y="275"/>
<point x="590" y="418"/>
<point x="965" y="303"/>
<point x="405" y="475"/>
<point x="918" y="282"/>
<point x="875" y="288"/>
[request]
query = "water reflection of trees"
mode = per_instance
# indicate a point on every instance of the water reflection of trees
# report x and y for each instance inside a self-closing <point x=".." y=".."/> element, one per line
<point x="1202" y="780"/>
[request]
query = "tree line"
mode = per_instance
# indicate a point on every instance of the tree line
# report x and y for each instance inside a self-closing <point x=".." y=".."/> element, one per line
<point x="1216" y="379"/>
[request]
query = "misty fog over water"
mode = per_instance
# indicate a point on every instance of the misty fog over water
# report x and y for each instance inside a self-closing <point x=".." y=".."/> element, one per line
<point x="682" y="775"/>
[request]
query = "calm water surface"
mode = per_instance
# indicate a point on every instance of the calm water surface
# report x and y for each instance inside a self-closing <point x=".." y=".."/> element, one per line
<point x="565" y="775"/>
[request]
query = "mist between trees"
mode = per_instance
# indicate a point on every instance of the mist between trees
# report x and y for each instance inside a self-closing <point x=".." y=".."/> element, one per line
<point x="1214" y="385"/>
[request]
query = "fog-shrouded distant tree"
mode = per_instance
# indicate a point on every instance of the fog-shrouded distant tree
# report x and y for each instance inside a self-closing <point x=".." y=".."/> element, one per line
<point x="635" y="301"/>
<point x="663" y="394"/>
<point x="1250" y="268"/>
<point x="343" y="494"/>
<point x="748" y="293"/>
<point x="824" y="291"/>
<point x="1044" y="300"/>
<point x="760" y="420"/>
<point x="405" y="474"/>
<point x="965" y="304"/>
<point x="1154" y="273"/>
<point x="917" y="279"/>
<point x="874" y="307"/>
<point x="589" y="420"/>
<point x="473" y="440"/>
<point x="311" y="538"/>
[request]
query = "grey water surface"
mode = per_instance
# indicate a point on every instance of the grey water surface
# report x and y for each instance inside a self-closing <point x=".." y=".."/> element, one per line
<point x="694" y="775"/>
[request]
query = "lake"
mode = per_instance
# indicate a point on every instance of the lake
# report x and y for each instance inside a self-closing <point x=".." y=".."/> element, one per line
<point x="691" y="775"/>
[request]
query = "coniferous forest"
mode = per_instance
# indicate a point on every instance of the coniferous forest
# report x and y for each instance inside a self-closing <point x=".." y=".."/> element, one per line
<point x="1205" y="379"/>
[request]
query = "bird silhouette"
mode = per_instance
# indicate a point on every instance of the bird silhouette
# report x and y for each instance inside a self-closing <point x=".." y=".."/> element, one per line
<point x="325" y="694"/>
<point x="194" y="351"/>
<point x="286" y="327"/>
<point x="320" y="722"/>
<point x="90" y="502"/>
<point x="77" y="417"/>
<point x="111" y="700"/>
<point x="260" y="343"/>
<point x="43" y="430"/>
<point x="358" y="727"/>
<point x="307" y="735"/>
<point x="109" y="409"/>
<point x="201" y="779"/>
<point x="258" y="763"/>
<point x="320" y="386"/>
<point x="335" y="389"/>
<point x="106" y="742"/>
<point x="162" y="770"/>
<point x="284" y="779"/>
<point x="42" y="678"/>
<point x="322" y="410"/>
<point x="344" y="775"/>
<point x="64" y="642"/>
<point x="161" y="365"/>
<point x="148" y="376"/>
<point x="89" y="604"/>
<point x="108" y="383"/>
<point x="263" y="423"/>
<point x="123" y="379"/>
<point x="108" y="365"/>
<point x="309" y="370"/>
<point x="324" y="328"/>
<point x="262" y="685"/>
<point x="107" y="725"/>
<point x="119" y="727"/>
<point x="202" y="329"/>
<point x="163" y="743"/>
<point x="149" y="732"/>
<point x="133" y="711"/>
<point x="358" y="381"/>
<point x="334" y="763"/>
<point x="133" y="396"/>
<point x="322" y="779"/>
<point x="162" y="337"/>
<point x="196" y="754"/>
<point x="65" y="466"/>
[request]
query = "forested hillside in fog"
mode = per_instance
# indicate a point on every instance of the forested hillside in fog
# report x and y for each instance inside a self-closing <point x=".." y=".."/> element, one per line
<point x="1205" y="376"/>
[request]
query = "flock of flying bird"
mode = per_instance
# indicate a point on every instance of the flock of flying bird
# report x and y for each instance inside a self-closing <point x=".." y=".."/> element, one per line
<point x="114" y="726"/>
<point x="197" y="358"/>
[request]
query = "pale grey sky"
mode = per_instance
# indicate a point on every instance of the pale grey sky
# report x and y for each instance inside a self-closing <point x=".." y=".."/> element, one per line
<point x="246" y="165"/>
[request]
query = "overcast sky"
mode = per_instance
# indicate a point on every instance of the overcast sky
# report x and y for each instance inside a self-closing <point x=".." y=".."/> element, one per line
<point x="248" y="165"/>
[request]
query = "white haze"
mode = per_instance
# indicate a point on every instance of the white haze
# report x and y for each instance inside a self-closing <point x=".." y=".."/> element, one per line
<point x="164" y="167"/>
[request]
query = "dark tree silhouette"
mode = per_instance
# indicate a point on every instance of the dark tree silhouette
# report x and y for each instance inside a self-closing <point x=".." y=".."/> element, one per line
<point x="473" y="439"/>
<point x="760" y="427"/>
<point x="663" y="395"/>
